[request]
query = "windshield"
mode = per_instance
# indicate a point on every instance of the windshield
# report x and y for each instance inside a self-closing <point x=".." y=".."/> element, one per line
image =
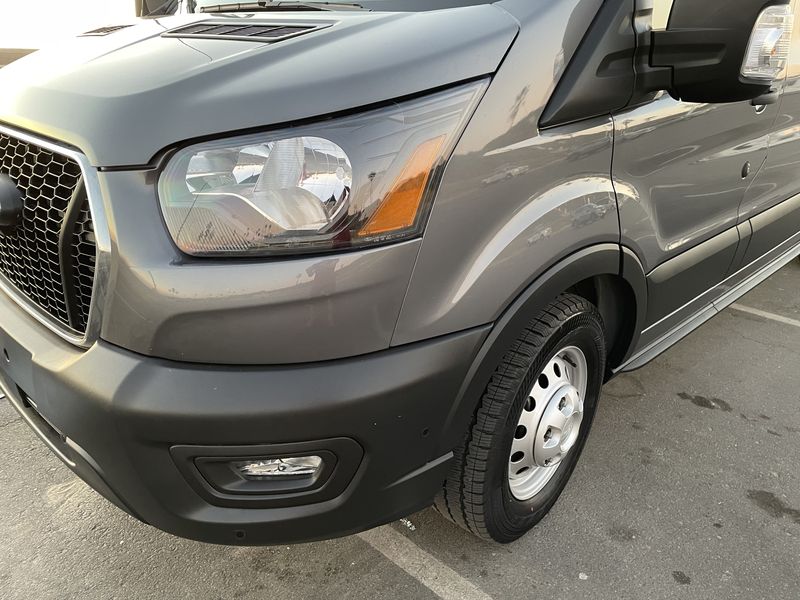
<point x="388" y="5"/>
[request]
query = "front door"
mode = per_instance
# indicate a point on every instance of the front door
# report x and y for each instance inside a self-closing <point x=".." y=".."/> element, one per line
<point x="772" y="203"/>
<point x="681" y="171"/>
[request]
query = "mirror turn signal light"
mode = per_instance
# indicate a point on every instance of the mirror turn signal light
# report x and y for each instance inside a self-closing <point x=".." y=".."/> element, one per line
<point x="768" y="51"/>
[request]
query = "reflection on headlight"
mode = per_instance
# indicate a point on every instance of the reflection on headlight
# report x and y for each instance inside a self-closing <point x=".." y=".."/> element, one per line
<point x="299" y="184"/>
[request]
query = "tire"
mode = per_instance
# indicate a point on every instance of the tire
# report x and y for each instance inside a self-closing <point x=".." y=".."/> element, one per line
<point x="483" y="492"/>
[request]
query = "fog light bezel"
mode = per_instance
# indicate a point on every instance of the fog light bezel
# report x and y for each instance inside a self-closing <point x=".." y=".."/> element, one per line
<point x="208" y="470"/>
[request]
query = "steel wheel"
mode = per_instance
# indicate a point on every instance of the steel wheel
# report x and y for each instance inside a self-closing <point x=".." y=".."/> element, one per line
<point x="549" y="425"/>
<point x="531" y="425"/>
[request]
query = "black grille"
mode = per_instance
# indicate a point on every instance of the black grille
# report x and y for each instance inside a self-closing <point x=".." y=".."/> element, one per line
<point x="250" y="32"/>
<point x="50" y="255"/>
<point x="103" y="31"/>
<point x="84" y="252"/>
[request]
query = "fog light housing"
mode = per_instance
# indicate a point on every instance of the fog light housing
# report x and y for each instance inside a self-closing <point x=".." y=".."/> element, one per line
<point x="270" y="475"/>
<point x="290" y="467"/>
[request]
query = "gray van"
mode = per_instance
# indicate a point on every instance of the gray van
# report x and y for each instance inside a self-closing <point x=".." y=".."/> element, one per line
<point x="281" y="271"/>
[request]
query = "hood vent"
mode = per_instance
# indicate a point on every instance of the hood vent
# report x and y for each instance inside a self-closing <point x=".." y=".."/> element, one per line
<point x="262" y="32"/>
<point x="104" y="31"/>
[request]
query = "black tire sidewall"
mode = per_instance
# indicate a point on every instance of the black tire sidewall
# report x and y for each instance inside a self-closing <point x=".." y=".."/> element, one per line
<point x="511" y="516"/>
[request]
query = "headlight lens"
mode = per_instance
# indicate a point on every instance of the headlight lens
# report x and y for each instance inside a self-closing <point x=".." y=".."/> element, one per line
<point x="355" y="181"/>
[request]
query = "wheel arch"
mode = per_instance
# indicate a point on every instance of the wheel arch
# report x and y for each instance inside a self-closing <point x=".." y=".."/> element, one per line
<point x="607" y="275"/>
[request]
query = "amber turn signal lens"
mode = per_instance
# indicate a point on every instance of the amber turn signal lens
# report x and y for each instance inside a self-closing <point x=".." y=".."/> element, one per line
<point x="400" y="207"/>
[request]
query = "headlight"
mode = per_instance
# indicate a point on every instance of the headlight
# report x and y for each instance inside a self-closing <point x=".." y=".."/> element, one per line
<point x="355" y="181"/>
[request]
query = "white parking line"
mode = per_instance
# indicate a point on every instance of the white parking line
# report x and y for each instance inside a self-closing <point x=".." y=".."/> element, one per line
<point x="766" y="315"/>
<point x="430" y="572"/>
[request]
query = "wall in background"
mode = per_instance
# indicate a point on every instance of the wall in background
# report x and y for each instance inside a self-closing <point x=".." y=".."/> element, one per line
<point x="661" y="12"/>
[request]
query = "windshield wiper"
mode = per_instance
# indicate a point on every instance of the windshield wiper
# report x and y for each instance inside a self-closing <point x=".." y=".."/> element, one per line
<point x="278" y="5"/>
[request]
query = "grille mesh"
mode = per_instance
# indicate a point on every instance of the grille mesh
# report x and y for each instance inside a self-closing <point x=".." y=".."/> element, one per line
<point x="104" y="31"/>
<point x="31" y="256"/>
<point x="257" y="33"/>
<point x="84" y="252"/>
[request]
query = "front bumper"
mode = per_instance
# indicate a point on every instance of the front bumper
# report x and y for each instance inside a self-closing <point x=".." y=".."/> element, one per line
<point x="126" y="424"/>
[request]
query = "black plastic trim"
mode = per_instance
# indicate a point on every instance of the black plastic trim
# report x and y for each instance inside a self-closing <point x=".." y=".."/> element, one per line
<point x="603" y="259"/>
<point x="393" y="404"/>
<point x="600" y="77"/>
<point x="772" y="227"/>
<point x="745" y="231"/>
<point x="685" y="277"/>
<point x="65" y="241"/>
<point x="704" y="46"/>
<point x="341" y="459"/>
<point x="710" y="310"/>
<point x="65" y="449"/>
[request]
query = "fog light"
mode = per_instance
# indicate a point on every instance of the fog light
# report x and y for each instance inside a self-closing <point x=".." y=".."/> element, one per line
<point x="279" y="468"/>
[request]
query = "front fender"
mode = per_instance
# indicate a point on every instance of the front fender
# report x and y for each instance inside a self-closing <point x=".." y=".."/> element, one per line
<point x="598" y="260"/>
<point x="513" y="200"/>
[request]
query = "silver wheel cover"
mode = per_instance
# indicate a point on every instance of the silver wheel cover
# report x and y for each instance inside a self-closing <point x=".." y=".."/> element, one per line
<point x="550" y="424"/>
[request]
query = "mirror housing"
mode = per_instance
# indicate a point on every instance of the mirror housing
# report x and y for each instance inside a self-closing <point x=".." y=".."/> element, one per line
<point x="719" y="50"/>
<point x="157" y="8"/>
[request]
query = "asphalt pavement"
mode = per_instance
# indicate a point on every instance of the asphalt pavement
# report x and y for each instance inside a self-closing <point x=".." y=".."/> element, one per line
<point x="689" y="487"/>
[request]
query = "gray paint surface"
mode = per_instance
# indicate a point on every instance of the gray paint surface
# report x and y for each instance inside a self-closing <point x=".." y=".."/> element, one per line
<point x="682" y="185"/>
<point x="778" y="179"/>
<point x="249" y="312"/>
<point x="243" y="312"/>
<point x="678" y="171"/>
<point x="513" y="200"/>
<point x="527" y="198"/>
<point x="153" y="92"/>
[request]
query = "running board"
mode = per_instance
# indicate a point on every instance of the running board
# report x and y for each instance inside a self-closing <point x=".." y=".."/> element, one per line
<point x="709" y="311"/>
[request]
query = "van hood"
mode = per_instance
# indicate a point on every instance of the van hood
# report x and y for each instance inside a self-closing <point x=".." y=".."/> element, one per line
<point x="123" y="97"/>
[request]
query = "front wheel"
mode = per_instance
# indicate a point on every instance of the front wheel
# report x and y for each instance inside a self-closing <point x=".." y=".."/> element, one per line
<point x="531" y="424"/>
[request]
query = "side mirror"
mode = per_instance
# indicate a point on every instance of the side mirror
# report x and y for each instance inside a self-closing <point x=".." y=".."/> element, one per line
<point x="720" y="50"/>
<point x="156" y="8"/>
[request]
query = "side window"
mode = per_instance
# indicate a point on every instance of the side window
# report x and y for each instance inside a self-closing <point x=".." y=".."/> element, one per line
<point x="661" y="12"/>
